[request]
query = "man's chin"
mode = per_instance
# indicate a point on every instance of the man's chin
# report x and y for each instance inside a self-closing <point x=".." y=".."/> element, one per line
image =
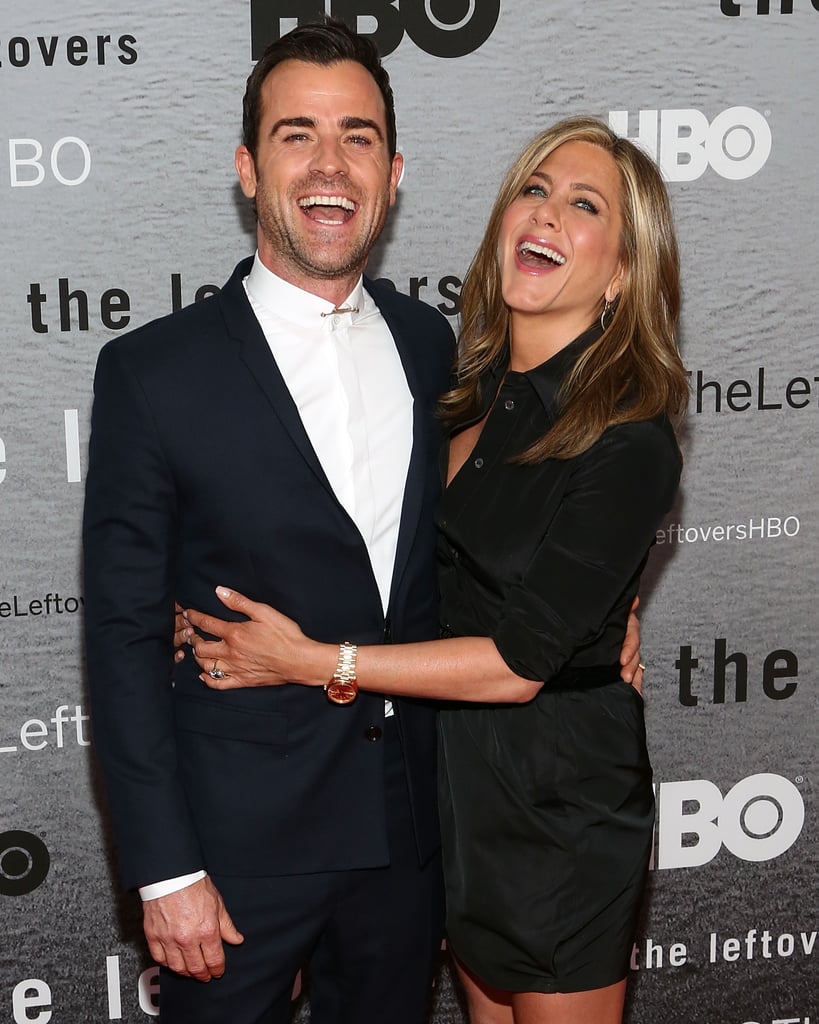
<point x="334" y="267"/>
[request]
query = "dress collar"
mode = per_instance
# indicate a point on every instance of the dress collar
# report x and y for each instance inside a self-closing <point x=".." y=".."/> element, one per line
<point x="546" y="378"/>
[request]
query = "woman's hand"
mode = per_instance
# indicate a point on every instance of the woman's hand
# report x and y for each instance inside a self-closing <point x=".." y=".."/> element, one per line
<point x="180" y="633"/>
<point x="266" y="650"/>
<point x="632" y="669"/>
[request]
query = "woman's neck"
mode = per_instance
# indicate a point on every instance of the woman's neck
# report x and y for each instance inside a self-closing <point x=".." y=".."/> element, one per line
<point x="536" y="337"/>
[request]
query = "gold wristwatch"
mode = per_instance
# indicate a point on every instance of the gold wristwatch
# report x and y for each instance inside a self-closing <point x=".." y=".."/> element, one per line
<point x="342" y="688"/>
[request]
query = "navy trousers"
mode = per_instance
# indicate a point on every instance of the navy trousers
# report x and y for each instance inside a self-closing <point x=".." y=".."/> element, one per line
<point x="369" y="939"/>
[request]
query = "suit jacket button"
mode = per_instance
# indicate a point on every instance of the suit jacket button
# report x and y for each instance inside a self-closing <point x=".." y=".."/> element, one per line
<point x="372" y="734"/>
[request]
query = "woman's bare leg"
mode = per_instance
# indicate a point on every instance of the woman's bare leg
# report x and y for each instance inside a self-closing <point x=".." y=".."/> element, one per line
<point x="597" y="1006"/>
<point x="486" y="1005"/>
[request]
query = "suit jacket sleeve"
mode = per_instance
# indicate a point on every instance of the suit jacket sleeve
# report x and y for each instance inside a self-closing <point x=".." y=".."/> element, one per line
<point x="128" y="532"/>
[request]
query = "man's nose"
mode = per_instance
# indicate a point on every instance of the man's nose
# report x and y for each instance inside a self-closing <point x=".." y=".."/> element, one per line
<point x="328" y="157"/>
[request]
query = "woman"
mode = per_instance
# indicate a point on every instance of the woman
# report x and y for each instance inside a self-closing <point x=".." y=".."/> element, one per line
<point x="562" y="463"/>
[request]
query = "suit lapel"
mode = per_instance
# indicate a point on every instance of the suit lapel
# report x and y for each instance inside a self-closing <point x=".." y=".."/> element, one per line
<point x="401" y="331"/>
<point x="242" y="325"/>
<point x="255" y="353"/>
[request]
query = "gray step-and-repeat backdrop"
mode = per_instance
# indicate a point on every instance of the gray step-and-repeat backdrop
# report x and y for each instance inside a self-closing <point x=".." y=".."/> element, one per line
<point x="119" y="203"/>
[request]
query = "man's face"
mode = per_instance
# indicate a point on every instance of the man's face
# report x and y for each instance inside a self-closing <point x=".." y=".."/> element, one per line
<point x="323" y="179"/>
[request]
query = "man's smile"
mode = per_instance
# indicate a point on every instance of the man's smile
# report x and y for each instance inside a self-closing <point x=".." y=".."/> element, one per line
<point x="335" y="209"/>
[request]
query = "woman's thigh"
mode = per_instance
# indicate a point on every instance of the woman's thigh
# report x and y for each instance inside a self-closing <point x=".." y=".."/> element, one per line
<point x="597" y="1006"/>
<point x="488" y="1005"/>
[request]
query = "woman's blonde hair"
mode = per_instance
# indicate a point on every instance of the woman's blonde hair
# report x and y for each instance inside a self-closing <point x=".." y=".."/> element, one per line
<point x="633" y="371"/>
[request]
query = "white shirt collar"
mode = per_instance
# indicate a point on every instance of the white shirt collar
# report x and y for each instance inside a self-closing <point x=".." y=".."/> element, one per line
<point x="290" y="303"/>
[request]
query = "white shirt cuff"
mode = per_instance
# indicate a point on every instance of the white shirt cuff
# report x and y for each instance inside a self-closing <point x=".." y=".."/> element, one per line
<point x="169" y="885"/>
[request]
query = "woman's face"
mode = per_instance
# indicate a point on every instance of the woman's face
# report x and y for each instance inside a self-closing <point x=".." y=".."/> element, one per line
<point x="559" y="245"/>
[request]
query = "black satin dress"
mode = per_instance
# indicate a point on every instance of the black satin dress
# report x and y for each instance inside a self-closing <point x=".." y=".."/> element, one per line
<point x="547" y="808"/>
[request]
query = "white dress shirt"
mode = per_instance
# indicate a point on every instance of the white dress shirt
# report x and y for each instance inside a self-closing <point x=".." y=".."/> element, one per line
<point x="347" y="381"/>
<point x="346" y="378"/>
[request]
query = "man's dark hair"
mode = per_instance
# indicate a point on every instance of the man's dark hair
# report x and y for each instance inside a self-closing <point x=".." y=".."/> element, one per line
<point x="323" y="43"/>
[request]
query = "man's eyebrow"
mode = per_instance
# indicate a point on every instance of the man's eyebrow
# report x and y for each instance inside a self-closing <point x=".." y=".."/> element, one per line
<point x="292" y="122"/>
<point x="348" y="123"/>
<point x="576" y="186"/>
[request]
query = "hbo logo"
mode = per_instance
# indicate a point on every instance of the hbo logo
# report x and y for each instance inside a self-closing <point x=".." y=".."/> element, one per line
<point x="735" y="144"/>
<point x="24" y="862"/>
<point x="443" y="28"/>
<point x="758" y="819"/>
<point x="69" y="160"/>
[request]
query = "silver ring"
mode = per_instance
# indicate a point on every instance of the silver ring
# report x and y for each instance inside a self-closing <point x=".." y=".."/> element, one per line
<point x="217" y="673"/>
<point x="639" y="665"/>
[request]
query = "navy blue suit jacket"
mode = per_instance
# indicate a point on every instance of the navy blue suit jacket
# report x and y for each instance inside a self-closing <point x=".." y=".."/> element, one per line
<point x="201" y="473"/>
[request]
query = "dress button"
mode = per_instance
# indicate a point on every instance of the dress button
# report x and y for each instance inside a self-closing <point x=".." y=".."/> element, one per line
<point x="372" y="734"/>
<point x="478" y="463"/>
<point x="509" y="404"/>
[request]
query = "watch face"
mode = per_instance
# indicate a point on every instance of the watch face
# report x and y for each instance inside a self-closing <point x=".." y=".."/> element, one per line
<point x="341" y="693"/>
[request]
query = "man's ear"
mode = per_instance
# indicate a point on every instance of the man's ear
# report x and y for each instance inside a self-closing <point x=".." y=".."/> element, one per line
<point x="396" y="174"/>
<point x="246" y="169"/>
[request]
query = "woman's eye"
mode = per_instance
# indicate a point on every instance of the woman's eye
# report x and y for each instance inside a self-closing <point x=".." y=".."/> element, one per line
<point x="534" y="190"/>
<point x="587" y="204"/>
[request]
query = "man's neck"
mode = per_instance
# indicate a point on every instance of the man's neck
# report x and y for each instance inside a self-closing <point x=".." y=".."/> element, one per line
<point x="333" y="290"/>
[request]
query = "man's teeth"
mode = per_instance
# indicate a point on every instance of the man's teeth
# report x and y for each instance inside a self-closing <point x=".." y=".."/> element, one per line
<point x="342" y="201"/>
<point x="542" y="250"/>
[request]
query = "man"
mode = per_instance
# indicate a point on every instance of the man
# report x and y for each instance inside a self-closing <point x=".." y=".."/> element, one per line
<point x="279" y="437"/>
<point x="311" y="483"/>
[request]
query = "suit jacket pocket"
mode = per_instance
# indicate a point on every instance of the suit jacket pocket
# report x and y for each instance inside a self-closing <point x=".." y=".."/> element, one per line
<point x="227" y="721"/>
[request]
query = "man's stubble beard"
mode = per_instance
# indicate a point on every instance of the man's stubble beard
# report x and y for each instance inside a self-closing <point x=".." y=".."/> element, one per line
<point x="295" y="251"/>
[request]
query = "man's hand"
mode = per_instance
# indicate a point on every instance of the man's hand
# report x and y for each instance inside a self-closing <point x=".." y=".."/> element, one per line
<point x="185" y="930"/>
<point x="632" y="669"/>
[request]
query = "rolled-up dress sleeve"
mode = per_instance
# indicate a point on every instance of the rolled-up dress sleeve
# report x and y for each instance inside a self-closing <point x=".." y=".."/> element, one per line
<point x="617" y="494"/>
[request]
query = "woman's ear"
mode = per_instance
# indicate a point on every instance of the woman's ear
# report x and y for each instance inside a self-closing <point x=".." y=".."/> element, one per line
<point x="615" y="285"/>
